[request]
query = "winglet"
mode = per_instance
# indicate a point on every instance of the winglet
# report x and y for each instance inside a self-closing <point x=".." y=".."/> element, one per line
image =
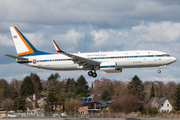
<point x="56" y="47"/>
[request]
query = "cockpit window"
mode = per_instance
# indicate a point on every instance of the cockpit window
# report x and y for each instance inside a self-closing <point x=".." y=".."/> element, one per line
<point x="167" y="55"/>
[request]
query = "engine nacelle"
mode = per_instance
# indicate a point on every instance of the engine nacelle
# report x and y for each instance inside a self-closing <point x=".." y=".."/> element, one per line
<point x="110" y="67"/>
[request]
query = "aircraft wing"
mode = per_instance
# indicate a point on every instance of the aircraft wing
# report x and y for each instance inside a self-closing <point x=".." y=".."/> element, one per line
<point x="86" y="63"/>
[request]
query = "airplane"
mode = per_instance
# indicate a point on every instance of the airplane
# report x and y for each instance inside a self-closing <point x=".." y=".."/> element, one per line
<point x="109" y="62"/>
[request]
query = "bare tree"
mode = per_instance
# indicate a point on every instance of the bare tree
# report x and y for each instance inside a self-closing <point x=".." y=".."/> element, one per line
<point x="100" y="85"/>
<point x="147" y="108"/>
<point x="7" y="104"/>
<point x="125" y="104"/>
<point x="72" y="105"/>
<point x="159" y="88"/>
<point x="147" y="88"/>
<point x="169" y="89"/>
<point x="16" y="84"/>
<point x="45" y="85"/>
<point x="120" y="88"/>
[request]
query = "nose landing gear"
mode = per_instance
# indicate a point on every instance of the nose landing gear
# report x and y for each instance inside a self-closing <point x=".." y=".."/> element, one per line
<point x="159" y="71"/>
<point x="93" y="74"/>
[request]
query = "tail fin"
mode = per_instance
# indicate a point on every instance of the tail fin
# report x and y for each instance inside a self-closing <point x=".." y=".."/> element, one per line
<point x="23" y="46"/>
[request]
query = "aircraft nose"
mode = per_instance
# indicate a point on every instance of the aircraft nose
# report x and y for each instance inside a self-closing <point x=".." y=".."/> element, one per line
<point x="173" y="59"/>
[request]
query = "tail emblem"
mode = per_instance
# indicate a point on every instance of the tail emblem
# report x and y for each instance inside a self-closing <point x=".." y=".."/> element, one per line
<point x="15" y="36"/>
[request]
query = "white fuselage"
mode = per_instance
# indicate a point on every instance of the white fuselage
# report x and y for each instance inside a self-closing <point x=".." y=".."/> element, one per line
<point x="123" y="59"/>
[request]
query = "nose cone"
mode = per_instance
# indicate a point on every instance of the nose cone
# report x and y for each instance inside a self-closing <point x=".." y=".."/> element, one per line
<point x="173" y="59"/>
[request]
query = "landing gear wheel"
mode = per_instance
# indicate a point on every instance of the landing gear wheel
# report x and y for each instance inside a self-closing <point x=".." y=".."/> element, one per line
<point x="94" y="75"/>
<point x="159" y="71"/>
<point x="90" y="73"/>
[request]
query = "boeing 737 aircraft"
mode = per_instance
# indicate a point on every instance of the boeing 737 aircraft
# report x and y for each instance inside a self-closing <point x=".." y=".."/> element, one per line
<point x="110" y="62"/>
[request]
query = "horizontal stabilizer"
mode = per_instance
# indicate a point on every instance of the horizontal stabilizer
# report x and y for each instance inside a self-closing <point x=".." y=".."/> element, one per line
<point x="16" y="57"/>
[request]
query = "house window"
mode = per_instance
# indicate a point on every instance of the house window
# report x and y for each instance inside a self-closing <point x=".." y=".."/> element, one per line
<point x="162" y="104"/>
<point x="167" y="105"/>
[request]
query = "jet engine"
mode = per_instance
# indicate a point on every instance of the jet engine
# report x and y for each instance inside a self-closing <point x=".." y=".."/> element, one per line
<point x="110" y="67"/>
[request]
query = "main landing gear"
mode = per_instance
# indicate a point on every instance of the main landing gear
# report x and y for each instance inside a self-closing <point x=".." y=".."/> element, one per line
<point x="159" y="71"/>
<point x="93" y="74"/>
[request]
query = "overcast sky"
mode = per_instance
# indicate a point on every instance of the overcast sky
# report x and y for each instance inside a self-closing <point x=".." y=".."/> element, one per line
<point x="90" y="26"/>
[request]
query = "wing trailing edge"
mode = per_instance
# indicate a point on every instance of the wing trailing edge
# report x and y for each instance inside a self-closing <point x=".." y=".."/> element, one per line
<point x="81" y="61"/>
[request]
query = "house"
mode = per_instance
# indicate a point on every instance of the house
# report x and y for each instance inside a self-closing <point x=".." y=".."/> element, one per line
<point x="91" y="104"/>
<point x="39" y="99"/>
<point x="161" y="103"/>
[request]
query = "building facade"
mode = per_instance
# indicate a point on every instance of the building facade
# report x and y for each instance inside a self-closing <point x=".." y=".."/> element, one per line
<point x="161" y="103"/>
<point x="91" y="104"/>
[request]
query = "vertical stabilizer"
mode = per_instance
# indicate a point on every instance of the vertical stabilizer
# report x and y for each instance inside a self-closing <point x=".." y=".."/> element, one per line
<point x="23" y="46"/>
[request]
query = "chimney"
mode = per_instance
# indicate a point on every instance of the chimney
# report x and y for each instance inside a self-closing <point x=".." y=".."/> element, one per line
<point x="34" y="97"/>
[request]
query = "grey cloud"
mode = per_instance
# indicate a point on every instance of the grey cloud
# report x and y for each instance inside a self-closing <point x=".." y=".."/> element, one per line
<point x="101" y="13"/>
<point x="169" y="2"/>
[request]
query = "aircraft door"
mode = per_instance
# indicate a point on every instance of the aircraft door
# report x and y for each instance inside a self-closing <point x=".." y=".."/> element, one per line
<point x="155" y="58"/>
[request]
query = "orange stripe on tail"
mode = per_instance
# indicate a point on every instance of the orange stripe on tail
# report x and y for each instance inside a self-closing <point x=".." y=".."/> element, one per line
<point x="56" y="46"/>
<point x="29" y="48"/>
